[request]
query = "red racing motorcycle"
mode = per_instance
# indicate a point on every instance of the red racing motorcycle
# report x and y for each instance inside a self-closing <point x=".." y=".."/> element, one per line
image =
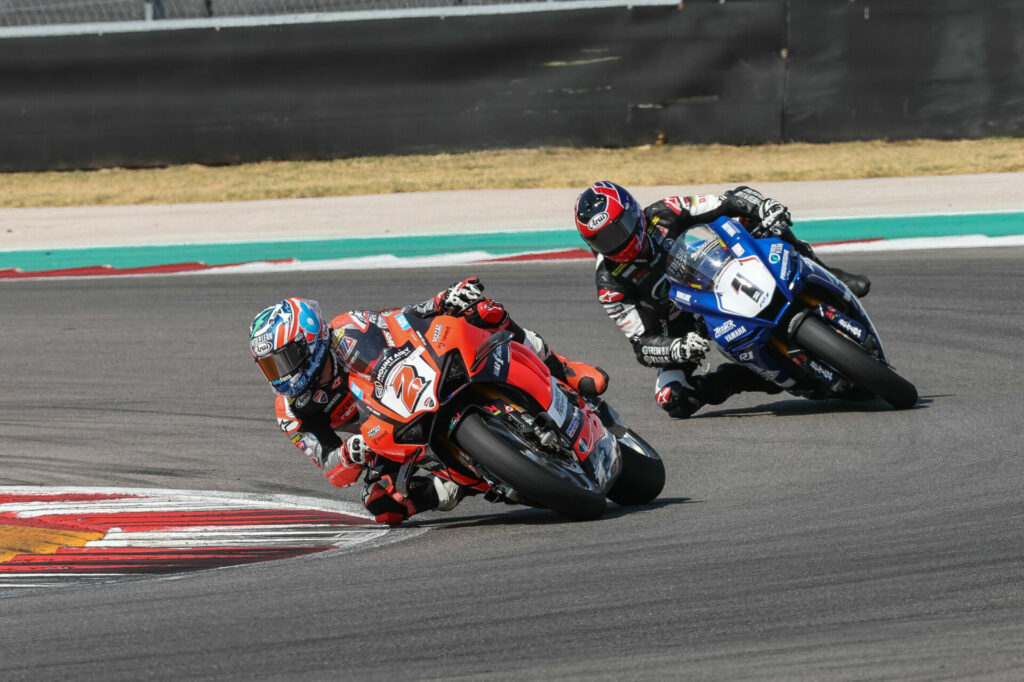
<point x="477" y="408"/>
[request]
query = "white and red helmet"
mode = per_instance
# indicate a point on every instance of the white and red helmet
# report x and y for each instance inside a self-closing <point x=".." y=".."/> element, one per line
<point x="288" y="342"/>
<point x="611" y="222"/>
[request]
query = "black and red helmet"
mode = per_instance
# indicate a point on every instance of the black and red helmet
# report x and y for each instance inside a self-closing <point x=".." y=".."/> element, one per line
<point x="611" y="222"/>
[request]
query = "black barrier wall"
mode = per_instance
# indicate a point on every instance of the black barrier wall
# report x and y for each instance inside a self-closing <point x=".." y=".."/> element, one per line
<point x="746" y="71"/>
<point x="902" y="69"/>
<point x="588" y="77"/>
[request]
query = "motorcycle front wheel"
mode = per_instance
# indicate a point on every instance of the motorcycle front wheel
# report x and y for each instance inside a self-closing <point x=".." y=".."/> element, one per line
<point x="546" y="480"/>
<point x="854" y="363"/>
<point x="643" y="472"/>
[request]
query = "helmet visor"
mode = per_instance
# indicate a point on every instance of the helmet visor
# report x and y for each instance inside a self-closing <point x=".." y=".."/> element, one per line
<point x="616" y="234"/>
<point x="283" y="362"/>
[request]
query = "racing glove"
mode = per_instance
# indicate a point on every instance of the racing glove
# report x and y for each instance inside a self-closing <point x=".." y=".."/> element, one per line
<point x="343" y="465"/>
<point x="460" y="296"/>
<point x="690" y="348"/>
<point x="774" y="217"/>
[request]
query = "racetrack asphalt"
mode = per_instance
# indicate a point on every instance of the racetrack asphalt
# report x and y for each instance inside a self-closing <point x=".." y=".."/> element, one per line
<point x="794" y="539"/>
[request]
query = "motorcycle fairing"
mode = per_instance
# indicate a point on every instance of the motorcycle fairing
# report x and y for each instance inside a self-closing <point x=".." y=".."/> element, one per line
<point x="751" y="294"/>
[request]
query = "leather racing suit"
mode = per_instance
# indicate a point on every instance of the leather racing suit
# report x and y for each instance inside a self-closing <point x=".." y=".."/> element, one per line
<point x="635" y="297"/>
<point x="314" y="418"/>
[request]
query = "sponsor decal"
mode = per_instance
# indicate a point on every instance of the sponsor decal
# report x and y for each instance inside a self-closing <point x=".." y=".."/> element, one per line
<point x="498" y="359"/>
<point x="360" y="320"/>
<point x="51" y="537"/>
<point x="746" y="356"/>
<point x="661" y="288"/>
<point x="683" y="297"/>
<point x="784" y="269"/>
<point x="261" y="348"/>
<point x="724" y="327"/>
<point x="390" y="359"/>
<point x="849" y="326"/>
<point x="729" y="229"/>
<point x="348" y="344"/>
<point x="597" y="221"/>
<point x="373" y="431"/>
<point x="574" y="424"/>
<point x="776" y="253"/>
<point x="320" y="397"/>
<point x="609" y="296"/>
<point x="338" y="381"/>
<point x="303" y="399"/>
<point x="437" y="333"/>
<point x="674" y="203"/>
<point x="738" y="250"/>
<point x="664" y="396"/>
<point x="345" y="412"/>
<point x="559" y="407"/>
<point x="735" y="334"/>
<point x="822" y="371"/>
<point x="356" y="391"/>
<point x="582" y="446"/>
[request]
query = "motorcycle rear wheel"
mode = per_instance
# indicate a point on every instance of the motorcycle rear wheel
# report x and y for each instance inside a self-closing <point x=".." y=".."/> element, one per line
<point x="854" y="363"/>
<point x="537" y="477"/>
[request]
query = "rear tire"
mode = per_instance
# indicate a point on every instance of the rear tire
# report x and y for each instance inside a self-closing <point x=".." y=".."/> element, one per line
<point x="643" y="472"/>
<point x="505" y="454"/>
<point x="854" y="363"/>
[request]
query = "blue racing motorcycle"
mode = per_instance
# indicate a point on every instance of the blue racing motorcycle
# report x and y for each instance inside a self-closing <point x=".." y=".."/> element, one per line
<point x="782" y="315"/>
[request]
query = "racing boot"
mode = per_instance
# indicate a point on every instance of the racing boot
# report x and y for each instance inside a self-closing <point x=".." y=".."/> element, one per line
<point x="730" y="379"/>
<point x="449" y="494"/>
<point x="858" y="284"/>
<point x="587" y="380"/>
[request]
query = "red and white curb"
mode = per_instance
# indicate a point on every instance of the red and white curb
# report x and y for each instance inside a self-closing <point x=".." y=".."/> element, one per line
<point x="61" y="536"/>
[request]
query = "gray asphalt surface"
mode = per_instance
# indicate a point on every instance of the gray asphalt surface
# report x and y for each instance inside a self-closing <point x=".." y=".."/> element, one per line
<point x="794" y="540"/>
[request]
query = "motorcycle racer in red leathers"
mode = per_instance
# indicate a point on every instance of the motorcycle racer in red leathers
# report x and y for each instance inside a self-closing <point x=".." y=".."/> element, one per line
<point x="631" y="245"/>
<point x="304" y="359"/>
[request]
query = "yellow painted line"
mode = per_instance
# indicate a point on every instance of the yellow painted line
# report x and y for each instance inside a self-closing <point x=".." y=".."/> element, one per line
<point x="16" y="540"/>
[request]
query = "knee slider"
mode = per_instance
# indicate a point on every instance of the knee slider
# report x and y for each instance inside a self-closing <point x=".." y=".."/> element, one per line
<point x="680" y="402"/>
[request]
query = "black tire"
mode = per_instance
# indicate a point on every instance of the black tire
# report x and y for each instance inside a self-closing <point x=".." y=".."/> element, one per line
<point x="643" y="472"/>
<point x="854" y="363"/>
<point x="505" y="454"/>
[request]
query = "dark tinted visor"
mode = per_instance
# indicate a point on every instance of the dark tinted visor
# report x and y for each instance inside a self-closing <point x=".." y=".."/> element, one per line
<point x="362" y="348"/>
<point x="616" y="234"/>
<point x="284" y="362"/>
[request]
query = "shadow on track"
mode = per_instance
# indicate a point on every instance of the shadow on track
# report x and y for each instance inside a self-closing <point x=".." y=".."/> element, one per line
<point x="541" y="517"/>
<point x="800" y="407"/>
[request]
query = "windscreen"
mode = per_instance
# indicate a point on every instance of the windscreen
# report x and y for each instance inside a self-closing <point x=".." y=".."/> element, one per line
<point x="696" y="257"/>
<point x="361" y="349"/>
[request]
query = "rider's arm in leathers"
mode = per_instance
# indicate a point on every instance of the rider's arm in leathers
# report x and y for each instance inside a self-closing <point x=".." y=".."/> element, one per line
<point x="486" y="313"/>
<point x="316" y="436"/>
<point x="752" y="208"/>
<point x="658" y="337"/>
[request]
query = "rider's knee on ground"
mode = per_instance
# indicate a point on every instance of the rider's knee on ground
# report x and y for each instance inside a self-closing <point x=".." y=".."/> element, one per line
<point x="677" y="400"/>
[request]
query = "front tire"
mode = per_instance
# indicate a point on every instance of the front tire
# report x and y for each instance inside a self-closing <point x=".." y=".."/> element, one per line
<point x="643" y="472"/>
<point x="854" y="363"/>
<point x="537" y="477"/>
